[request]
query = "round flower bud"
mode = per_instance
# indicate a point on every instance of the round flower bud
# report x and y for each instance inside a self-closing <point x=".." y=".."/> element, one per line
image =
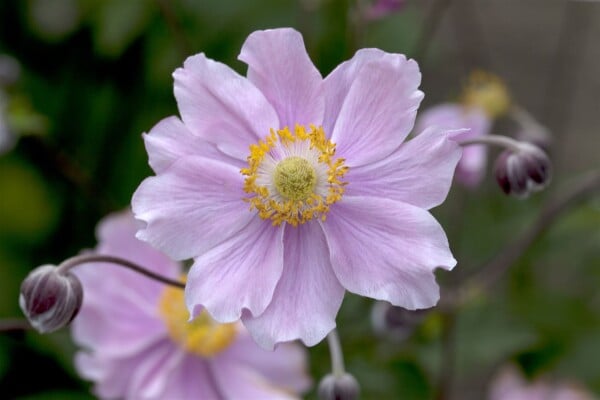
<point x="50" y="299"/>
<point x="395" y="323"/>
<point x="522" y="172"/>
<point x="343" y="387"/>
<point x="9" y="70"/>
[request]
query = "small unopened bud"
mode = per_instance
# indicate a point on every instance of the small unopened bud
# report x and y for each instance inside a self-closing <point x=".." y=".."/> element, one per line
<point x="395" y="323"/>
<point x="50" y="299"/>
<point x="382" y="8"/>
<point x="344" y="387"/>
<point x="523" y="171"/>
<point x="9" y="70"/>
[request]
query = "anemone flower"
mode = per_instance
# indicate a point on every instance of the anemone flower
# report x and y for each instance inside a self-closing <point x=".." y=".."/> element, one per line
<point x="287" y="189"/>
<point x="471" y="168"/>
<point x="138" y="344"/>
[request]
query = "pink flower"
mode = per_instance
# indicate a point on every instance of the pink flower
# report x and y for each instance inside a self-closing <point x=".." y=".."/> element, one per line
<point x="137" y="343"/>
<point x="381" y="8"/>
<point x="471" y="168"/>
<point x="288" y="189"/>
<point x="510" y="385"/>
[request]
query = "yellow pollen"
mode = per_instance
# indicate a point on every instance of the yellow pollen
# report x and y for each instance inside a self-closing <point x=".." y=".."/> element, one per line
<point x="487" y="91"/>
<point x="202" y="336"/>
<point x="295" y="179"/>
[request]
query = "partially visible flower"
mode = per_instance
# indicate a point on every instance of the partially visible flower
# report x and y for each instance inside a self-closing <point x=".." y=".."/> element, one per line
<point x="378" y="9"/>
<point x="521" y="172"/>
<point x="484" y="98"/>
<point x="288" y="189"/>
<point x="511" y="385"/>
<point x="467" y="123"/>
<point x="138" y="343"/>
<point x="50" y="299"/>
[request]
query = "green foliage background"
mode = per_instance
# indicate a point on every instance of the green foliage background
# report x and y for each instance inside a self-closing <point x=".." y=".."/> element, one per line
<point x="97" y="73"/>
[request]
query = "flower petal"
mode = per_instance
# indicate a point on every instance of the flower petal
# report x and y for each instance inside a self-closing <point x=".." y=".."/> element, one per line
<point x="448" y="116"/>
<point x="241" y="273"/>
<point x="280" y="67"/>
<point x="285" y="366"/>
<point x="191" y="207"/>
<point x="237" y="381"/>
<point x="192" y="379"/>
<point x="308" y="295"/>
<point x="222" y="106"/>
<point x="419" y="173"/>
<point x="338" y="82"/>
<point x="378" y="109"/>
<point x="170" y="139"/>
<point x="387" y="250"/>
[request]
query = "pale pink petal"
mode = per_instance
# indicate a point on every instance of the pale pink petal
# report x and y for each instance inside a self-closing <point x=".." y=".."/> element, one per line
<point x="448" y="116"/>
<point x="420" y="172"/>
<point x="170" y="139"/>
<point x="286" y="365"/>
<point x="191" y="207"/>
<point x="280" y="67"/>
<point x="192" y="379"/>
<point x="387" y="250"/>
<point x="338" y="82"/>
<point x="378" y="110"/>
<point x="218" y="104"/>
<point x="308" y="295"/>
<point x="241" y="273"/>
<point x="237" y="381"/>
<point x="113" y="376"/>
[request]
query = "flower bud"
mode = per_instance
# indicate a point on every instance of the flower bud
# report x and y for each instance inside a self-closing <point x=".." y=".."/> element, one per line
<point x="50" y="299"/>
<point x="523" y="171"/>
<point x="382" y="8"/>
<point x="393" y="322"/>
<point x="343" y="387"/>
<point x="9" y="70"/>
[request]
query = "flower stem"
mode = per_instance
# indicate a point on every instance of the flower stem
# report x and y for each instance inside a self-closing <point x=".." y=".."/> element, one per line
<point x="337" y="357"/>
<point x="14" y="324"/>
<point x="98" y="258"/>
<point x="493" y="140"/>
<point x="491" y="272"/>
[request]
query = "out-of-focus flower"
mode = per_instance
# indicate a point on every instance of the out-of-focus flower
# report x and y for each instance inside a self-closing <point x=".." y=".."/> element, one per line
<point x="138" y="343"/>
<point x="510" y="385"/>
<point x="484" y="98"/>
<point x="378" y="9"/>
<point x="521" y="172"/>
<point x="50" y="299"/>
<point x="10" y="70"/>
<point x="471" y="168"/>
<point x="288" y="189"/>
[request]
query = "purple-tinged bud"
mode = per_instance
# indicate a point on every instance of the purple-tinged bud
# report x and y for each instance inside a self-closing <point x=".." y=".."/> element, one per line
<point x="382" y="8"/>
<point x="523" y="171"/>
<point x="395" y="323"/>
<point x="9" y="70"/>
<point x="50" y="299"/>
<point x="344" y="387"/>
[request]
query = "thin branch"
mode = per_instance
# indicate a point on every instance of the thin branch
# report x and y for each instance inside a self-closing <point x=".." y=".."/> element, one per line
<point x="491" y="272"/>
<point x="14" y="325"/>
<point x="429" y="28"/>
<point x="335" y="351"/>
<point x="98" y="258"/>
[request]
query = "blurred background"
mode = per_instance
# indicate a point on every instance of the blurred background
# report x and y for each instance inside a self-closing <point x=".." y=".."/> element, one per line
<point x="86" y="77"/>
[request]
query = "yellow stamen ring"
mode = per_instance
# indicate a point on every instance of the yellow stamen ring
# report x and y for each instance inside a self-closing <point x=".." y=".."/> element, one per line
<point x="202" y="336"/>
<point x="295" y="194"/>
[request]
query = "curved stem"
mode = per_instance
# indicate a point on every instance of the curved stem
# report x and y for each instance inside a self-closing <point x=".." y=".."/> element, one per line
<point x="493" y="271"/>
<point x="494" y="140"/>
<point x="337" y="357"/>
<point x="14" y="324"/>
<point x="98" y="258"/>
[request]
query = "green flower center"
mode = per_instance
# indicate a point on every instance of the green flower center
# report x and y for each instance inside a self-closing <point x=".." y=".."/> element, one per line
<point x="295" y="178"/>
